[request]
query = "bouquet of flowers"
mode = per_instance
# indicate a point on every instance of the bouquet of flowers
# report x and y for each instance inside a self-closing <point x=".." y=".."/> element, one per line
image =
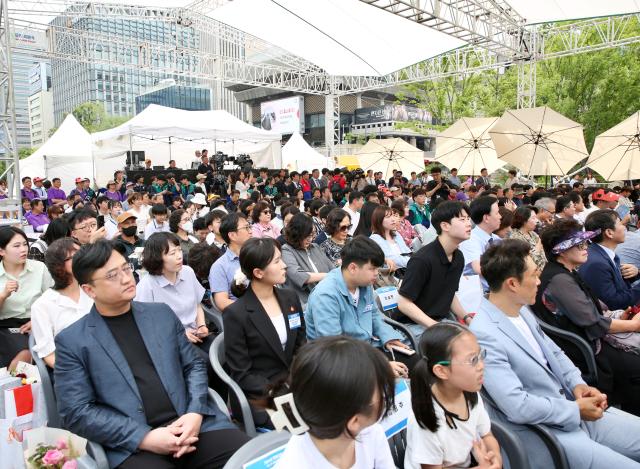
<point x="60" y="456"/>
<point x="53" y="448"/>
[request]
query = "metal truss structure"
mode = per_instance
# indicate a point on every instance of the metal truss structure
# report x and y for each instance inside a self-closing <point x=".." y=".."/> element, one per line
<point x="496" y="35"/>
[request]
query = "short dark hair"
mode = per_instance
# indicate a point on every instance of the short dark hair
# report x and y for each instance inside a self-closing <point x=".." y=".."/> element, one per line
<point x="504" y="260"/>
<point x="55" y="258"/>
<point x="35" y="202"/>
<point x="55" y="179"/>
<point x="521" y="216"/>
<point x="445" y="212"/>
<point x="562" y="203"/>
<point x="335" y="217"/>
<point x="229" y="224"/>
<point x="201" y="258"/>
<point x="92" y="257"/>
<point x="553" y="234"/>
<point x="361" y="250"/>
<point x="25" y="178"/>
<point x="199" y="224"/>
<point x="158" y="244"/>
<point x="315" y="206"/>
<point x="355" y="195"/>
<point x="436" y="169"/>
<point x="419" y="191"/>
<point x="575" y="197"/>
<point x="334" y="378"/>
<point x="58" y="228"/>
<point x="102" y="198"/>
<point x="214" y="215"/>
<point x="604" y="219"/>
<point x="174" y="220"/>
<point x="78" y="217"/>
<point x="257" y="210"/>
<point x="8" y="232"/>
<point x="289" y="209"/>
<point x="298" y="228"/>
<point x="480" y="207"/>
<point x="159" y="209"/>
<point x="114" y="203"/>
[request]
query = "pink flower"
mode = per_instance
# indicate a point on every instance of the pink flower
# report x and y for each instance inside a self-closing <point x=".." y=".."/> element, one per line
<point x="62" y="444"/>
<point x="70" y="465"/>
<point x="52" y="457"/>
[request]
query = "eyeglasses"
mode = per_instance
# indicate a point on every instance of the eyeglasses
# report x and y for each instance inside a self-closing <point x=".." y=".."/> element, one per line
<point x="472" y="362"/>
<point x="582" y="246"/>
<point x="245" y="227"/>
<point x="265" y="212"/>
<point x="114" y="274"/>
<point x="346" y="227"/>
<point x="87" y="227"/>
<point x="552" y="213"/>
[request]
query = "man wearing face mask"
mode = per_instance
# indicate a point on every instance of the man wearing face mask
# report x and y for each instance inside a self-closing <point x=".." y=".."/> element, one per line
<point x="128" y="238"/>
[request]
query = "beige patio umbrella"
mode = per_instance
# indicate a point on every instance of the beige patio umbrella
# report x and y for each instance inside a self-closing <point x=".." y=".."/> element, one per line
<point x="467" y="146"/>
<point x="539" y="141"/>
<point x="616" y="152"/>
<point x="389" y="155"/>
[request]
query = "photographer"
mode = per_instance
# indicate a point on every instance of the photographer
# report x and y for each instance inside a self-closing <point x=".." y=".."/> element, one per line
<point x="438" y="186"/>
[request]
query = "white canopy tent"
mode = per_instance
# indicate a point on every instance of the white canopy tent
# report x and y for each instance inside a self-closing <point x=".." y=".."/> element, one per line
<point x="66" y="155"/>
<point x="297" y="155"/>
<point x="165" y="133"/>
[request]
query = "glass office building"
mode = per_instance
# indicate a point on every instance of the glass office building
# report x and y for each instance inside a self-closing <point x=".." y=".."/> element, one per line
<point x="189" y="98"/>
<point x="117" y="87"/>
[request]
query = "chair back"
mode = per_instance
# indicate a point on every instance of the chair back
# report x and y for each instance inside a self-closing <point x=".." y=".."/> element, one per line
<point x="511" y="447"/>
<point x="218" y="360"/>
<point x="214" y="315"/>
<point x="53" y="417"/>
<point x="262" y="451"/>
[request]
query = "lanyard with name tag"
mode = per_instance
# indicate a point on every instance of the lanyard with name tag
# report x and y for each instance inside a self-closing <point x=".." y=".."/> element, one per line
<point x="295" y="321"/>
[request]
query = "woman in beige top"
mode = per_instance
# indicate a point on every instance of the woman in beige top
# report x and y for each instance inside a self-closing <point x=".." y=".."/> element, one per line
<point x="523" y="226"/>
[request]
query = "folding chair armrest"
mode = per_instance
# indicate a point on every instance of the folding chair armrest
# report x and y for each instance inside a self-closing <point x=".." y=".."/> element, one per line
<point x="96" y="451"/>
<point x="511" y="445"/>
<point x="402" y="328"/>
<point x="553" y="445"/>
<point x="213" y="315"/>
<point x="217" y="398"/>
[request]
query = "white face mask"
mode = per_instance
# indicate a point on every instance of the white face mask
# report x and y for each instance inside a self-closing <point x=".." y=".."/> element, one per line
<point x="187" y="226"/>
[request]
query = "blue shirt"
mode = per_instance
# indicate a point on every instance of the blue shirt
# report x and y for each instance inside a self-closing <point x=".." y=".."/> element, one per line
<point x="331" y="311"/>
<point x="474" y="247"/>
<point x="629" y="251"/>
<point x="222" y="272"/>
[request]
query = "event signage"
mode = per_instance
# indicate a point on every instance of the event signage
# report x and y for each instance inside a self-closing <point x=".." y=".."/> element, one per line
<point x="392" y="112"/>
<point x="284" y="116"/>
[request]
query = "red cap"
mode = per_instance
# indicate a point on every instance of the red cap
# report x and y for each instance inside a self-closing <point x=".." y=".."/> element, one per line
<point x="600" y="194"/>
<point x="79" y="180"/>
<point x="37" y="179"/>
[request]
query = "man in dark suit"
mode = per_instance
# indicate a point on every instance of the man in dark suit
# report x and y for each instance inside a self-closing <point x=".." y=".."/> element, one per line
<point x="127" y="377"/>
<point x="483" y="180"/>
<point x="315" y="181"/>
<point x="610" y="280"/>
<point x="295" y="183"/>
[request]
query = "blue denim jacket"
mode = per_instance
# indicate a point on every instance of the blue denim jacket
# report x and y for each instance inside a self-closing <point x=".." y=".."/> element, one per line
<point x="330" y="311"/>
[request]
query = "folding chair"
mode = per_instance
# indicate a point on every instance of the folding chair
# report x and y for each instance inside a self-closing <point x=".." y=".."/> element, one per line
<point x="556" y="451"/>
<point x="511" y="447"/>
<point x="214" y="315"/>
<point x="262" y="451"/>
<point x="218" y="360"/>
<point x="53" y="418"/>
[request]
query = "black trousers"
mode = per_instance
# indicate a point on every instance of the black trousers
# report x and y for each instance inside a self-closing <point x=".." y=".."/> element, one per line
<point x="10" y="342"/>
<point x="213" y="450"/>
<point x="619" y="376"/>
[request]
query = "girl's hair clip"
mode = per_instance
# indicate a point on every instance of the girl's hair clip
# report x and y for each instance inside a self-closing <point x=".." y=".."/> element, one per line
<point x="280" y="419"/>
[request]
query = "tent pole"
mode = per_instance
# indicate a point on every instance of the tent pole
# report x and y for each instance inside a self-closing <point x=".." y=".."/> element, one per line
<point x="170" y="149"/>
<point x="130" y="147"/>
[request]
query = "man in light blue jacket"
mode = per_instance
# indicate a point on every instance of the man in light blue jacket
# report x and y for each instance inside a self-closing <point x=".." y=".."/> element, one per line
<point x="343" y="303"/>
<point x="532" y="381"/>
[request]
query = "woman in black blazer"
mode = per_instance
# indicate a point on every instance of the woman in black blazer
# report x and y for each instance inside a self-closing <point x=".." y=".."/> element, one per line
<point x="264" y="328"/>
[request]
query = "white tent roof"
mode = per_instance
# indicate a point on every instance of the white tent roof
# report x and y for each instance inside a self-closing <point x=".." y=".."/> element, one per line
<point x="67" y="155"/>
<point x="297" y="155"/>
<point x="348" y="37"/>
<point x="160" y="121"/>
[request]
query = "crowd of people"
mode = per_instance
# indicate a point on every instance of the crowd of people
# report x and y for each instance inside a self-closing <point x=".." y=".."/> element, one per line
<point x="114" y="290"/>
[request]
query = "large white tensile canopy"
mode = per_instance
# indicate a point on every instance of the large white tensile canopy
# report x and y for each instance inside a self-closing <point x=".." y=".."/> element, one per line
<point x="349" y="37"/>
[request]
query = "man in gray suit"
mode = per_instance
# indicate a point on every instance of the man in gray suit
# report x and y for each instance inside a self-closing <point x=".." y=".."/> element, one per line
<point x="533" y="382"/>
<point x="127" y="377"/>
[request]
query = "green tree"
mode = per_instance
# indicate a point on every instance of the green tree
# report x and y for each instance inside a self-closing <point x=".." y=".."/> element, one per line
<point x="24" y="152"/>
<point x="94" y="118"/>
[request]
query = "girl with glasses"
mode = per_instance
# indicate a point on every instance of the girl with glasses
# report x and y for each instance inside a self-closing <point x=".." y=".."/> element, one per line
<point x="449" y="424"/>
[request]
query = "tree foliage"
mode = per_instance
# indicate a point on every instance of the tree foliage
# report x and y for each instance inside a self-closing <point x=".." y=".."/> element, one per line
<point x="597" y="89"/>
<point x="94" y="118"/>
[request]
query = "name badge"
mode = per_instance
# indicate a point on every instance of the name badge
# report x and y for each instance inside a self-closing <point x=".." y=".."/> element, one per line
<point x="368" y="308"/>
<point x="295" y="321"/>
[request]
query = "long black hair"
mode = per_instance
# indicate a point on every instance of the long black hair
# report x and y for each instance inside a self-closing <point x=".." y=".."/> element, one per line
<point x="435" y="346"/>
